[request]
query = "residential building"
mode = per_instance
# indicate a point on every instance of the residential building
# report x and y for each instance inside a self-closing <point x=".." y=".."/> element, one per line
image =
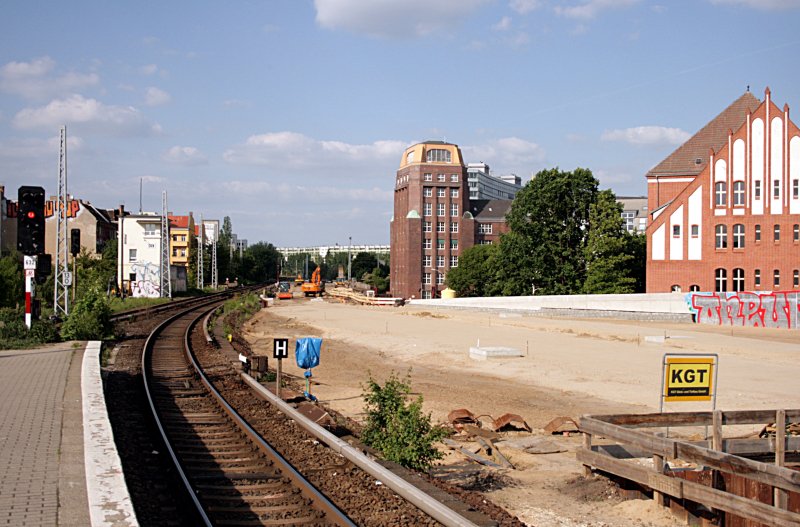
<point x="483" y="185"/>
<point x="726" y="205"/>
<point x="97" y="226"/>
<point x="634" y="213"/>
<point x="8" y="223"/>
<point x="180" y="228"/>
<point x="139" y="255"/>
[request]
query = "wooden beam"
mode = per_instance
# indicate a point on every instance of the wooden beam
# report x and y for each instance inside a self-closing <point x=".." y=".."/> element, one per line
<point x="734" y="417"/>
<point x="652" y="444"/>
<point x="679" y="488"/>
<point x="780" y="498"/>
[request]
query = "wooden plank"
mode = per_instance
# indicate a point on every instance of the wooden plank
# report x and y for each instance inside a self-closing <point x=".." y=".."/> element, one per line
<point x="752" y="447"/>
<point x="734" y="417"/>
<point x="739" y="506"/>
<point x="654" y="445"/>
<point x="475" y="457"/>
<point x="679" y="488"/>
<point x="587" y="445"/>
<point x="633" y="472"/>
<point x="779" y="495"/>
<point x="780" y="477"/>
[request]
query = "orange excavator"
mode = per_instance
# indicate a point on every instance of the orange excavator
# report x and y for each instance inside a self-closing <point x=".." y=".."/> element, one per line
<point x="314" y="287"/>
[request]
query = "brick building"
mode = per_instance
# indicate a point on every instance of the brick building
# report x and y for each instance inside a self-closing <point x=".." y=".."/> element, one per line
<point x="432" y="223"/>
<point x="725" y="205"/>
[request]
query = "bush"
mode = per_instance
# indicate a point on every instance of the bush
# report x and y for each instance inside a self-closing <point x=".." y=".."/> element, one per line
<point x="14" y="334"/>
<point x="397" y="428"/>
<point x="89" y="318"/>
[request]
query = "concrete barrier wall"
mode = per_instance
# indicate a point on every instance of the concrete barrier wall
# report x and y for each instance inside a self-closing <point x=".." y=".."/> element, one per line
<point x="657" y="303"/>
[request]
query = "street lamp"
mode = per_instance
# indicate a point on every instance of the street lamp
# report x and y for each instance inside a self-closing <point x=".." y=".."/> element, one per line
<point x="349" y="246"/>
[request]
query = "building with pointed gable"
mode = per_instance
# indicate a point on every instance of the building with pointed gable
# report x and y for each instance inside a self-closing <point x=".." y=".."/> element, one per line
<point x="725" y="206"/>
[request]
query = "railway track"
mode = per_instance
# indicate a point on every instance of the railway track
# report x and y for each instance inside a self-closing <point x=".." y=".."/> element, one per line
<point x="218" y="460"/>
<point x="233" y="476"/>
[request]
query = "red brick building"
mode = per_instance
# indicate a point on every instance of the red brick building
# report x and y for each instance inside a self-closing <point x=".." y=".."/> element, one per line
<point x="726" y="205"/>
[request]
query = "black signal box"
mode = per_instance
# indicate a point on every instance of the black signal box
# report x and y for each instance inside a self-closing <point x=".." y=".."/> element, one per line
<point x="30" y="220"/>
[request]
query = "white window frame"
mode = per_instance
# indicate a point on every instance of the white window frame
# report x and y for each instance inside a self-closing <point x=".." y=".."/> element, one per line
<point x="440" y="226"/>
<point x="738" y="193"/>
<point x="427" y="209"/>
<point x="454" y="210"/>
<point x="454" y="227"/>
<point x="427" y="227"/>
<point x="441" y="192"/>
<point x="427" y="192"/>
<point x="454" y="192"/>
<point x="427" y="176"/>
<point x="453" y="261"/>
<point x="426" y="243"/>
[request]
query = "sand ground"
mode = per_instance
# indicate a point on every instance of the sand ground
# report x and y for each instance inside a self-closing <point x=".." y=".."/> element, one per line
<point x="567" y="367"/>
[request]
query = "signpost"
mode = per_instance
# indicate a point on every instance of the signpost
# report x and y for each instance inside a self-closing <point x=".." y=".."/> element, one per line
<point x="280" y="351"/>
<point x="29" y="264"/>
<point x="689" y="377"/>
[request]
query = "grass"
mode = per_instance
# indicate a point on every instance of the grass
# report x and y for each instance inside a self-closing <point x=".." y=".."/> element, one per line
<point x="118" y="305"/>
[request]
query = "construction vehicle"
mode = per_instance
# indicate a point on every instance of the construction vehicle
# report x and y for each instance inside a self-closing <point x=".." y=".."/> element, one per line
<point x="284" y="291"/>
<point x="299" y="280"/>
<point x="314" y="287"/>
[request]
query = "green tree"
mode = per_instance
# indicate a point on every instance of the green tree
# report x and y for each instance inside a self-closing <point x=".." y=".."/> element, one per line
<point x="378" y="278"/>
<point x="608" y="260"/>
<point x="637" y="247"/>
<point x="548" y="221"/>
<point x="475" y="274"/>
<point x="260" y="263"/>
<point x="363" y="263"/>
<point x="12" y="281"/>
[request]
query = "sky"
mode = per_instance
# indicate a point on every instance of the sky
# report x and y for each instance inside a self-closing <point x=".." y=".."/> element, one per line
<point x="291" y="116"/>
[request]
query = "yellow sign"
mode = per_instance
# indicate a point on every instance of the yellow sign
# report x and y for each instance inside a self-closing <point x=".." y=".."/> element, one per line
<point x="688" y="378"/>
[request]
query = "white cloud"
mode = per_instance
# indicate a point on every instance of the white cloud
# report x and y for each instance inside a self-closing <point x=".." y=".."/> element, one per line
<point x="156" y="97"/>
<point x="297" y="151"/>
<point x="508" y="154"/>
<point x="394" y="18"/>
<point x="525" y="6"/>
<point x="149" y="69"/>
<point x="503" y="25"/>
<point x="185" y="155"/>
<point x="765" y="5"/>
<point x="35" y="79"/>
<point x="31" y="148"/>
<point x="647" y="135"/>
<point x="591" y="8"/>
<point x="88" y="115"/>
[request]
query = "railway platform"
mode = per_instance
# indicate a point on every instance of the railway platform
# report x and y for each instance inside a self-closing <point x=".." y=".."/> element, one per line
<point x="58" y="461"/>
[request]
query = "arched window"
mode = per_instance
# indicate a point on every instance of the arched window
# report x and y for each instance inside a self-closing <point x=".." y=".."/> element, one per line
<point x="738" y="193"/>
<point x="675" y="288"/>
<point x="721" y="236"/>
<point x="720" y="280"/>
<point x="738" y="236"/>
<point x="720" y="194"/>
<point x="694" y="287"/>
<point x="738" y="279"/>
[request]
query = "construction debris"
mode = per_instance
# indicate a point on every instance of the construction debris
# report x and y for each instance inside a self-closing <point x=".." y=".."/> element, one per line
<point x="512" y="421"/>
<point x="562" y="426"/>
<point x="792" y="429"/>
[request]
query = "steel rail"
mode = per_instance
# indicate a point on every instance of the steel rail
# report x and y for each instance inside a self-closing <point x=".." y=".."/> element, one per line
<point x="336" y="515"/>
<point x="148" y="345"/>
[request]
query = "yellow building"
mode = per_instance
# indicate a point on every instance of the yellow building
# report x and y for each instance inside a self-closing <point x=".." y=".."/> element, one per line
<point x="179" y="229"/>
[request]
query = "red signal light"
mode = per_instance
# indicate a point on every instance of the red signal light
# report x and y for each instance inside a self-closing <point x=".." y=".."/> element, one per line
<point x="31" y="214"/>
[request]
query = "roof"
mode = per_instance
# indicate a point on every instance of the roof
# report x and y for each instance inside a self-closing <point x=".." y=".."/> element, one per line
<point x="179" y="222"/>
<point x="489" y="209"/>
<point x="683" y="161"/>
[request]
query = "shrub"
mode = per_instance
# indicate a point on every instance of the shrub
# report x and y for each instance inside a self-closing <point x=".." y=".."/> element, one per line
<point x="89" y="318"/>
<point x="399" y="429"/>
<point x="14" y="334"/>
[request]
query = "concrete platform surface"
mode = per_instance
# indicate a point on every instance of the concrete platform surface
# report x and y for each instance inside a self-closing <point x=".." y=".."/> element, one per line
<point x="54" y="431"/>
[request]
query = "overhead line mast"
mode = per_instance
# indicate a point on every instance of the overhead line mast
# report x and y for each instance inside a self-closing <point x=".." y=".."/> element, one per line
<point x="61" y="285"/>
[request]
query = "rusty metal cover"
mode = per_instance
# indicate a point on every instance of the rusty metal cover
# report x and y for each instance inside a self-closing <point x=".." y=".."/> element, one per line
<point x="510" y="420"/>
<point x="462" y="416"/>
<point x="560" y="425"/>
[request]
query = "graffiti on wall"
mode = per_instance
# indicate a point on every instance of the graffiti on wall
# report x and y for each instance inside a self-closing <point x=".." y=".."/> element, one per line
<point x="148" y="280"/>
<point x="73" y="208"/>
<point x="772" y="309"/>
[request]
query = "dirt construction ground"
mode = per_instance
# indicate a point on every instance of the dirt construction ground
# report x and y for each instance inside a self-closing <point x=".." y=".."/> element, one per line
<point x="568" y="367"/>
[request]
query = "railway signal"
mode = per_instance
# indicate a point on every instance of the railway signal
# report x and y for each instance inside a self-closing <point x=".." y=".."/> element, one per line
<point x="30" y="220"/>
